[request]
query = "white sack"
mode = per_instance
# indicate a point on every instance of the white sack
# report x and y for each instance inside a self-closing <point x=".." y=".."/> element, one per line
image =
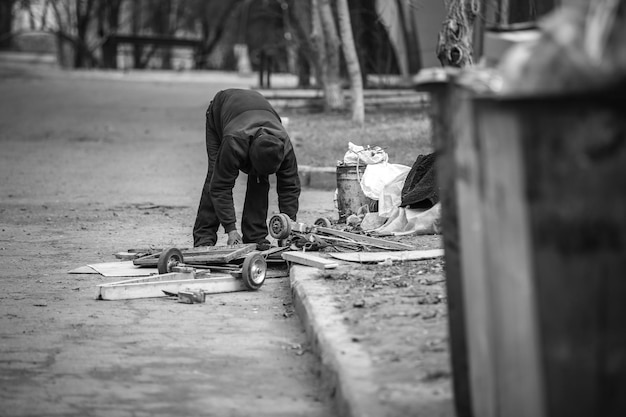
<point x="391" y="196"/>
<point x="377" y="176"/>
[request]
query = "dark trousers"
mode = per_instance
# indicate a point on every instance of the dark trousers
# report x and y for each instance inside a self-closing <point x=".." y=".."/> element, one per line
<point x="254" y="221"/>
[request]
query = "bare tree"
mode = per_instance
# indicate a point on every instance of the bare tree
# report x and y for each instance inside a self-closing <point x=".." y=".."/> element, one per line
<point x="160" y="23"/>
<point x="108" y="23"/>
<point x="6" y="22"/>
<point x="73" y="23"/>
<point x="318" y="43"/>
<point x="454" y="46"/>
<point x="135" y="27"/>
<point x="214" y="19"/>
<point x="300" y="13"/>
<point x="352" y="62"/>
<point x="84" y="15"/>
<point x="327" y="48"/>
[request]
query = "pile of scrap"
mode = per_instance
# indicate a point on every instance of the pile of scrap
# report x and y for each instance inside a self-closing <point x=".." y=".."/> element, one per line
<point x="316" y="237"/>
<point x="341" y="245"/>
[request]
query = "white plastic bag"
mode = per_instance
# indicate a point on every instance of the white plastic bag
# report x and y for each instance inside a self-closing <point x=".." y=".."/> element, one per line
<point x="377" y="176"/>
<point x="391" y="195"/>
<point x="359" y="155"/>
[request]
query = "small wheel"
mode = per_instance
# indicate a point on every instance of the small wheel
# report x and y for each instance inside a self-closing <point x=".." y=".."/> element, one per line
<point x="253" y="270"/>
<point x="323" y="221"/>
<point x="168" y="259"/>
<point x="280" y="226"/>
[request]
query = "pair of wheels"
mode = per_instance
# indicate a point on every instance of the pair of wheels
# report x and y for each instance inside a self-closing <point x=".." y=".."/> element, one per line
<point x="280" y="225"/>
<point x="253" y="270"/>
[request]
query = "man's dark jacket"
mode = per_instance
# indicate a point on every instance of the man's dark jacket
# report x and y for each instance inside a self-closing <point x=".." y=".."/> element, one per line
<point x="238" y="117"/>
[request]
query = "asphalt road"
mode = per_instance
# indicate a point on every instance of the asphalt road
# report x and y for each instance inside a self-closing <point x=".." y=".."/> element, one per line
<point x="91" y="165"/>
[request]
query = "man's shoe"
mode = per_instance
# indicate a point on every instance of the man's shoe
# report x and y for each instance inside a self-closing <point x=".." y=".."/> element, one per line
<point x="204" y="243"/>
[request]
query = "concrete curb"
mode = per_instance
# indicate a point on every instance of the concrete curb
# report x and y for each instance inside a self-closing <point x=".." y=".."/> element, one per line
<point x="346" y="368"/>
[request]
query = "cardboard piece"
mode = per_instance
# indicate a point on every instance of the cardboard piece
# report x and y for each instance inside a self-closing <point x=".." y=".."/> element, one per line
<point x="115" y="269"/>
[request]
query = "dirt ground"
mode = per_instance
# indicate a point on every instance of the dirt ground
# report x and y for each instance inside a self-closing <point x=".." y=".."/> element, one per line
<point x="398" y="314"/>
<point x="89" y="167"/>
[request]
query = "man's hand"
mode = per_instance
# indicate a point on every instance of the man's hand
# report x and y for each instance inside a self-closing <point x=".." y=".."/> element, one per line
<point x="234" y="238"/>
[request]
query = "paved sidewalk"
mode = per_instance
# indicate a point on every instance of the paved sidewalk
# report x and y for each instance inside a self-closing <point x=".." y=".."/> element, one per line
<point x="96" y="220"/>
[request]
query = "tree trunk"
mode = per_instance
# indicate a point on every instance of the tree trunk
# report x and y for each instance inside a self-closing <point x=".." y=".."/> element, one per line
<point x="113" y="19"/>
<point x="203" y="50"/>
<point x="352" y="62"/>
<point x="165" y="9"/>
<point x="136" y="28"/>
<point x="6" y="23"/>
<point x="405" y="70"/>
<point x="108" y="22"/>
<point x="213" y="24"/>
<point x="44" y="15"/>
<point x="359" y="26"/>
<point x="242" y="54"/>
<point x="303" y="70"/>
<point x="318" y="44"/>
<point x="333" y="93"/>
<point x="83" y="18"/>
<point x="454" y="46"/>
<point x="300" y="12"/>
<point x="412" y="39"/>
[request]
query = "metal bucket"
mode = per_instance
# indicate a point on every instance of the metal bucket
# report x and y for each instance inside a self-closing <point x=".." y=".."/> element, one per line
<point x="350" y="196"/>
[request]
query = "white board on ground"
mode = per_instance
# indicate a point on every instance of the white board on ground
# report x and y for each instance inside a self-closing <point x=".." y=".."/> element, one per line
<point x="371" y="257"/>
<point x="307" y="259"/>
<point x="134" y="289"/>
<point x="115" y="269"/>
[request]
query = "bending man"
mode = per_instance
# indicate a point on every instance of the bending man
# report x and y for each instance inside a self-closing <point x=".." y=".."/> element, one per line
<point x="244" y="133"/>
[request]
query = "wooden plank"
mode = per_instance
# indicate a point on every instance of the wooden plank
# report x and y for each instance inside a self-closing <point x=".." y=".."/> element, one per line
<point x="374" y="257"/>
<point x="220" y="254"/>
<point x="203" y="255"/>
<point x="138" y="290"/>
<point x="366" y="240"/>
<point x="309" y="260"/>
<point x="153" y="286"/>
<point x="172" y="276"/>
<point x="237" y="250"/>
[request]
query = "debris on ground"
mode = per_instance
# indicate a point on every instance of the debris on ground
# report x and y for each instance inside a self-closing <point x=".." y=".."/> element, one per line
<point x="314" y="237"/>
<point x="384" y="199"/>
<point x="189" y="274"/>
